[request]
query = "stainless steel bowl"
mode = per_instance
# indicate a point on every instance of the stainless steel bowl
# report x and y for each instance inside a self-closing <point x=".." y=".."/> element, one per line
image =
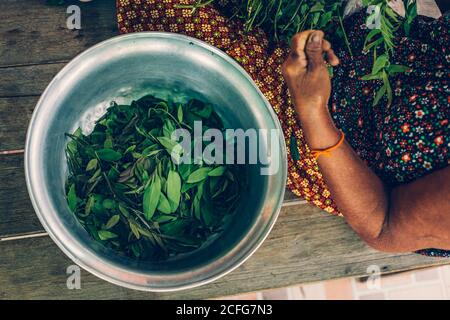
<point x="122" y="69"/>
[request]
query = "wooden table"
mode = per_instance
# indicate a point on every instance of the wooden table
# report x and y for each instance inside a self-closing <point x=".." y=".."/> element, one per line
<point x="305" y="245"/>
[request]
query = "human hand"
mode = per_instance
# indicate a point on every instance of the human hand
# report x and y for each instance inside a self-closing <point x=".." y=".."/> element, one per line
<point x="305" y="71"/>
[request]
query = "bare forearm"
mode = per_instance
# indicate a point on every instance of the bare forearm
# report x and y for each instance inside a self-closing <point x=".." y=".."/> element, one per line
<point x="357" y="191"/>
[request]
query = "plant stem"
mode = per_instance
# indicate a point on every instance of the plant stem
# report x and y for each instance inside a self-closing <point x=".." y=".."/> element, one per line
<point x="347" y="43"/>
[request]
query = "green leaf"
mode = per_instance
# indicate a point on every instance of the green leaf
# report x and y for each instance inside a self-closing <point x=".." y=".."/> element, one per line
<point x="188" y="186"/>
<point x="97" y="207"/>
<point x="315" y="20"/>
<point x="378" y="76"/>
<point x="207" y="214"/>
<point x="330" y="70"/>
<point x="142" y="132"/>
<point x="112" y="221"/>
<point x="124" y="211"/>
<point x="72" y="147"/>
<point x="167" y="143"/>
<point x="109" y="204"/>
<point x="108" y="144"/>
<point x="165" y="218"/>
<point x="325" y="19"/>
<point x="180" y="113"/>
<point x="221" y="189"/>
<point x="196" y="203"/>
<point x="371" y="34"/>
<point x="130" y="149"/>
<point x="136" y="155"/>
<point x="92" y="164"/>
<point x="185" y="170"/>
<point x="388" y="88"/>
<point x="217" y="172"/>
<point x="293" y="147"/>
<point x="407" y="28"/>
<point x="90" y="202"/>
<point x="106" y="235"/>
<point x="381" y="62"/>
<point x="151" y="197"/>
<point x="146" y="233"/>
<point x="411" y="14"/>
<point x="303" y="9"/>
<point x="317" y="7"/>
<point x="134" y="229"/>
<point x="72" y="198"/>
<point x="198" y="175"/>
<point x="174" y="228"/>
<point x="164" y="205"/>
<point x="136" y="249"/>
<point x="168" y="128"/>
<point x="172" y="147"/>
<point x="150" y="150"/>
<point x="145" y="176"/>
<point x="174" y="189"/>
<point x="397" y="68"/>
<point x="205" y="111"/>
<point x="152" y="153"/>
<point x="78" y="133"/>
<point x="379" y="95"/>
<point x="109" y="155"/>
<point x="373" y="44"/>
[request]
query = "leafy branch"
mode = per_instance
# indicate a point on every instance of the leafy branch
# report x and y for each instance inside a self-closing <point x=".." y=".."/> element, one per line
<point x="129" y="194"/>
<point x="382" y="39"/>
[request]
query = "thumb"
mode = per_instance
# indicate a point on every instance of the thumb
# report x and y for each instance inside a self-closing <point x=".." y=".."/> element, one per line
<point x="314" y="51"/>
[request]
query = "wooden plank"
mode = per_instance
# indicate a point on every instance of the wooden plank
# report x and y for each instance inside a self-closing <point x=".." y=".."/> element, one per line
<point x="15" y="114"/>
<point x="20" y="88"/>
<point x="32" y="32"/>
<point x="305" y="245"/>
<point x="28" y="80"/>
<point x="17" y="216"/>
<point x="16" y="213"/>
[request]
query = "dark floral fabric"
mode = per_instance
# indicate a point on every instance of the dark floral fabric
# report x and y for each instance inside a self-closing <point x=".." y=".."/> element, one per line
<point x="401" y="142"/>
<point x="410" y="138"/>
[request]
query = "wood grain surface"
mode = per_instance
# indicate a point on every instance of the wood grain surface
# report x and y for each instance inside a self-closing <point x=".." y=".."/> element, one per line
<point x="32" y="32"/>
<point x="305" y="245"/>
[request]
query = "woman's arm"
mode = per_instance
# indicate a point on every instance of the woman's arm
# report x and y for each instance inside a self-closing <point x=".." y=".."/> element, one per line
<point x="407" y="218"/>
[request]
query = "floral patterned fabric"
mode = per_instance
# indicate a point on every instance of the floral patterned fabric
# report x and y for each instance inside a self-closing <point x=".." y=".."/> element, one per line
<point x="400" y="143"/>
<point x="408" y="139"/>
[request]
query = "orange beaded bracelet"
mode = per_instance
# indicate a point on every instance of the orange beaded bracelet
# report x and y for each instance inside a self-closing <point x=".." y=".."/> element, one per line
<point x="327" y="152"/>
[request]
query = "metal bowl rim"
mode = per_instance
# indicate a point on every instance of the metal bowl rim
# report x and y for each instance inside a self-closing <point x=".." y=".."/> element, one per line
<point x="31" y="186"/>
